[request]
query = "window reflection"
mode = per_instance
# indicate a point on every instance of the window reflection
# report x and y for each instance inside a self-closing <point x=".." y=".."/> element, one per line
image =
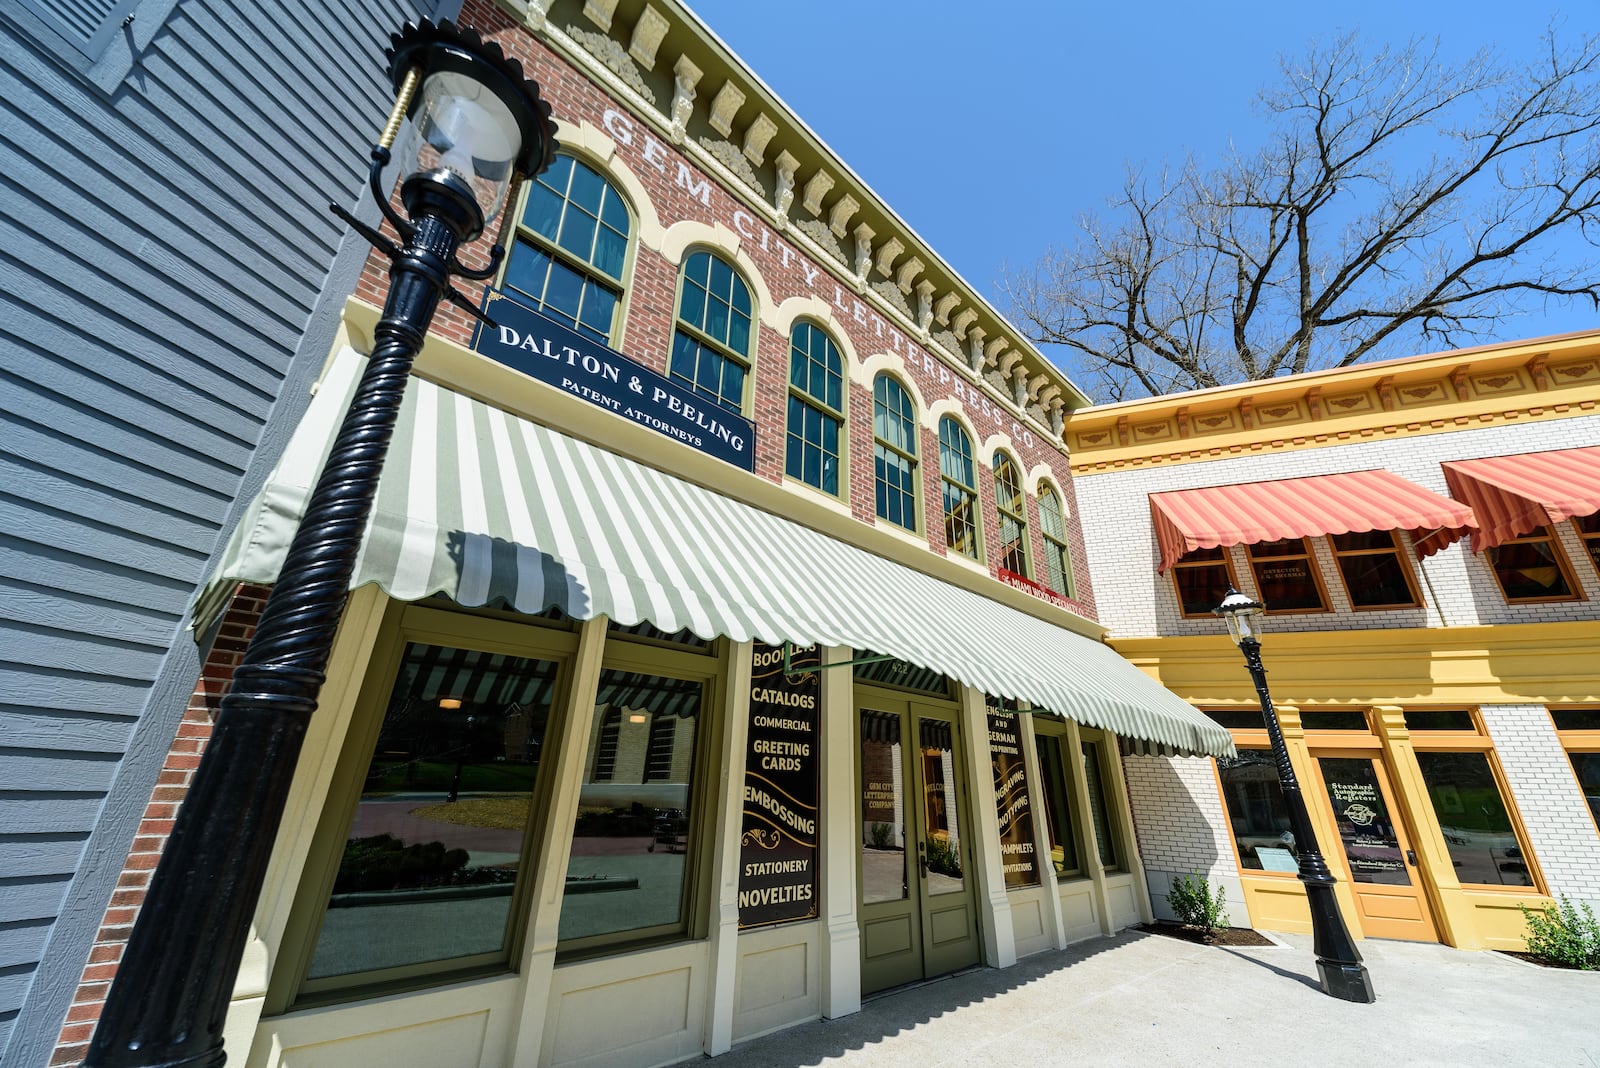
<point x="434" y="849"/>
<point x="1253" y="797"/>
<point x="1473" y="816"/>
<point x="634" y="832"/>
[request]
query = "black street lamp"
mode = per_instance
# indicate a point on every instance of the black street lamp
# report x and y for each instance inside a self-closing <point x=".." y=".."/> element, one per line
<point x="1338" y="961"/>
<point x="482" y="128"/>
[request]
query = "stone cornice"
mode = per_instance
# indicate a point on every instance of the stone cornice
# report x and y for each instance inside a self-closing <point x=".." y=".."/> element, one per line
<point x="1544" y="378"/>
<point x="691" y="87"/>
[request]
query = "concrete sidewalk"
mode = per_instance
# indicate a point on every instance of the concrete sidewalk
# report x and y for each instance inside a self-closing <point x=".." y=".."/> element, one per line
<point x="1143" y="999"/>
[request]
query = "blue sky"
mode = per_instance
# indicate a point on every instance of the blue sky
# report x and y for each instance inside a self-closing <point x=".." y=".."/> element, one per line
<point x="991" y="127"/>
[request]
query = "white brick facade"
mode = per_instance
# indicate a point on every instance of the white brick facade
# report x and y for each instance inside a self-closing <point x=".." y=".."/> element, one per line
<point x="1561" y="831"/>
<point x="1182" y="828"/>
<point x="1457" y="587"/>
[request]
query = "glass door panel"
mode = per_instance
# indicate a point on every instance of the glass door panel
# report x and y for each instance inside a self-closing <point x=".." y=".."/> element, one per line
<point x="942" y="845"/>
<point x="1366" y="829"/>
<point x="883" y="809"/>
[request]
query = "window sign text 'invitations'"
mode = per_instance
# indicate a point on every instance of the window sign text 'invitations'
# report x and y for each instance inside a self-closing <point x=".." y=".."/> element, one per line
<point x="526" y="341"/>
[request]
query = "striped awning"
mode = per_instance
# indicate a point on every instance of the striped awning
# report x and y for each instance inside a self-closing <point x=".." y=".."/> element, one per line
<point x="1513" y="495"/>
<point x="1351" y="502"/>
<point x="490" y="509"/>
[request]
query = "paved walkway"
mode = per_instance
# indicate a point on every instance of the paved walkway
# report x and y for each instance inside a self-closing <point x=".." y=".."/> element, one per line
<point x="1139" y="999"/>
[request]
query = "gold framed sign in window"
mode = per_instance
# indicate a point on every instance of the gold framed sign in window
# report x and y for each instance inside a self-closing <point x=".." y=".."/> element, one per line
<point x="1286" y="576"/>
<point x="1532" y="567"/>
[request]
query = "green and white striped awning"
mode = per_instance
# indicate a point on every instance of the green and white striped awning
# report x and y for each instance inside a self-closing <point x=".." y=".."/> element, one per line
<point x="491" y="509"/>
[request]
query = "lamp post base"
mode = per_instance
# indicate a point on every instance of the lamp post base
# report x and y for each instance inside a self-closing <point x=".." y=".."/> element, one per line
<point x="1347" y="982"/>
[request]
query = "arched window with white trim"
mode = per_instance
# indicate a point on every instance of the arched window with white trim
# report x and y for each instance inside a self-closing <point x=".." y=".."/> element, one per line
<point x="1057" y="554"/>
<point x="1013" y="509"/>
<point x="816" y="408"/>
<point x="894" y="452"/>
<point x="959" y="480"/>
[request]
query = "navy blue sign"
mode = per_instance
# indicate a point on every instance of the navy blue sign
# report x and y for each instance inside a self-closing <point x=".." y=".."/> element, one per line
<point x="552" y="353"/>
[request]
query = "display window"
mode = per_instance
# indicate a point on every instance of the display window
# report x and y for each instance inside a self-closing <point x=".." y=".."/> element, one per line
<point x="1258" y="816"/>
<point x="1056" y="786"/>
<point x="1108" y="840"/>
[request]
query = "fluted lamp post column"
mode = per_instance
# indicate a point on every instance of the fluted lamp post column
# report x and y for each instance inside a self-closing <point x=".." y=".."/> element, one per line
<point x="1339" y="964"/>
<point x="480" y="127"/>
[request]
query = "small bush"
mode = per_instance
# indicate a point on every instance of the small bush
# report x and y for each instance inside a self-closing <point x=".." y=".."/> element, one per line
<point x="1567" y="934"/>
<point x="881" y="835"/>
<point x="1194" y="903"/>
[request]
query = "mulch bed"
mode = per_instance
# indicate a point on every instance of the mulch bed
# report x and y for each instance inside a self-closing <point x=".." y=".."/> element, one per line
<point x="1540" y="961"/>
<point x="1221" y="936"/>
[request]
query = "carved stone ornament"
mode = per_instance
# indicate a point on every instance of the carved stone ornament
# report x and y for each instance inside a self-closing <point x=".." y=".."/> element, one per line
<point x="826" y="239"/>
<point x="863" y="251"/>
<point x="538" y="13"/>
<point x="892" y="296"/>
<point x="728" y="154"/>
<point x="685" y="75"/>
<point x="614" y="57"/>
<point x="783" y="196"/>
<point x="648" y="33"/>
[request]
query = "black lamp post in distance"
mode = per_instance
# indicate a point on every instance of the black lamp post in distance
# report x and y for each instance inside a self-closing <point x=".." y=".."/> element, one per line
<point x="1339" y="964"/>
<point x="481" y="126"/>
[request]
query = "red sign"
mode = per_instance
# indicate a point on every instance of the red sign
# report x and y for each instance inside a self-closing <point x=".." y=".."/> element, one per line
<point x="1044" y="593"/>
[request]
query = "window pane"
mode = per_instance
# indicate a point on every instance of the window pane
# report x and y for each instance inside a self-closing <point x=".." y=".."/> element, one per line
<point x="1427" y="720"/>
<point x="1586" y="766"/>
<point x="883" y="809"/>
<point x="1376" y="580"/>
<point x="1367" y="830"/>
<point x="692" y="307"/>
<point x="564" y="292"/>
<point x="610" y="249"/>
<point x="1254" y="799"/>
<point x="586" y="189"/>
<point x="543" y="213"/>
<point x="1284" y="574"/>
<point x="1063" y="851"/>
<point x="1357" y="541"/>
<point x="1200" y="588"/>
<point x="436" y="843"/>
<point x="1333" y="721"/>
<point x="1099" y="811"/>
<point x="577" y="234"/>
<point x="1529" y="570"/>
<point x="1576" y="719"/>
<point x="635" y="829"/>
<point x="1472" y="814"/>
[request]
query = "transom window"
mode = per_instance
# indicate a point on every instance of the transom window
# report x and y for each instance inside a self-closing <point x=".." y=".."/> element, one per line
<point x="1057" y="556"/>
<point x="1286" y="576"/>
<point x="1532" y="568"/>
<point x="816" y="408"/>
<point x="711" y="346"/>
<point x="959" y="480"/>
<point x="1203" y="578"/>
<point x="1374" y="573"/>
<point x="1013" y="509"/>
<point x="894" y="453"/>
<point x="1579" y="731"/>
<point x="567" y="260"/>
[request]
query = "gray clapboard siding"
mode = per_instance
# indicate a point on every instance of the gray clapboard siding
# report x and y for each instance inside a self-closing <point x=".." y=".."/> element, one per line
<point x="171" y="284"/>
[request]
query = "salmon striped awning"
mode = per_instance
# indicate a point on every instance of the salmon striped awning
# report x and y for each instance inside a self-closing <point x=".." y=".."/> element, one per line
<point x="1352" y="502"/>
<point x="1512" y="495"/>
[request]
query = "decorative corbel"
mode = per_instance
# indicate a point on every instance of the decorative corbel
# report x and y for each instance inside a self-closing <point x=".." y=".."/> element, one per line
<point x="944" y="306"/>
<point x="727" y="102"/>
<point x="924" y="304"/>
<point x="648" y="33"/>
<point x="1019" y="387"/>
<point x="1314" y="402"/>
<point x="1386" y="392"/>
<point x="817" y="187"/>
<point x="992" y="351"/>
<point x="783" y="196"/>
<point x="1538" y="369"/>
<point x="863" y="262"/>
<point x="1458" y="379"/>
<point x="685" y="75"/>
<point x="888" y="252"/>
<point x="974" y="340"/>
<point x="756" y="137"/>
<point x="844" y="209"/>
<point x="600" y="12"/>
<point x="1122" y="430"/>
<point x="1247" y="416"/>
<point x="1183" y="421"/>
<point x="538" y="14"/>
<point x="1058" y="417"/>
<point x="907" y="273"/>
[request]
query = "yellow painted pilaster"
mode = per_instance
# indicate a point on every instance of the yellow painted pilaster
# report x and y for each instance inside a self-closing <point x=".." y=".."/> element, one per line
<point x="1453" y="912"/>
<point x="1305" y="769"/>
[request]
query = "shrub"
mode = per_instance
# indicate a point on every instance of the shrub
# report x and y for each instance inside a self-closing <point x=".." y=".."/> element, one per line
<point x="1194" y="903"/>
<point x="880" y="835"/>
<point x="1567" y="934"/>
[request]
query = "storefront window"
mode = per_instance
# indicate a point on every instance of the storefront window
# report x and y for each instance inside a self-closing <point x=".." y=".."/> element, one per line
<point x="1375" y="575"/>
<point x="629" y="872"/>
<point x="1286" y="576"/>
<point x="1099" y="809"/>
<point x="1531" y="568"/>
<point x="1203" y="579"/>
<point x="1253" y="798"/>
<point x="434" y="851"/>
<point x="1579" y="731"/>
<point x="1473" y="816"/>
<point x="957" y="475"/>
<point x="1058" y="810"/>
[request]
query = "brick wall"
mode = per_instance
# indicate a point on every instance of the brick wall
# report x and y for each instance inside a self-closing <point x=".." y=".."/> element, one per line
<point x="1561" y="831"/>
<point x="183" y="757"/>
<point x="1460" y="589"/>
<point x="1182" y="827"/>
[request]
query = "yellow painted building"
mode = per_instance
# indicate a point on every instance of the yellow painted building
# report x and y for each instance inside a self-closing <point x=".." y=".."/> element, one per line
<point x="1424" y="534"/>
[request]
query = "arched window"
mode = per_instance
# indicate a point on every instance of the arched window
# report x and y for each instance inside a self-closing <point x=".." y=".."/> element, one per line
<point x="1057" y="557"/>
<point x="1013" y="510"/>
<point x="711" y="346"/>
<point x="894" y="452"/>
<point x="958" y="475"/>
<point x="567" y="260"/>
<point x="816" y="408"/>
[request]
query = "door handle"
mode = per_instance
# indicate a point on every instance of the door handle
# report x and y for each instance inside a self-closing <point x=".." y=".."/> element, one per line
<point x="1411" y="857"/>
<point x="922" y="858"/>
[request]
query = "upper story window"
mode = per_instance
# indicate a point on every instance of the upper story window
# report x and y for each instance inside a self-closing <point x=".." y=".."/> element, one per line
<point x="1589" y="533"/>
<point x="1013" y="508"/>
<point x="1286" y="576"/>
<point x="1374" y="570"/>
<point x="894" y="453"/>
<point x="1203" y="578"/>
<point x="711" y="346"/>
<point x="1057" y="556"/>
<point x="571" y="248"/>
<point x="958" y="477"/>
<point x="816" y="408"/>
<point x="1531" y="567"/>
